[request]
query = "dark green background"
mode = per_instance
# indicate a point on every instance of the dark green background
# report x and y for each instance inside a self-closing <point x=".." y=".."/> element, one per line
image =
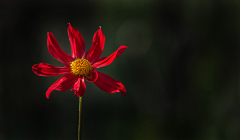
<point x="181" y="70"/>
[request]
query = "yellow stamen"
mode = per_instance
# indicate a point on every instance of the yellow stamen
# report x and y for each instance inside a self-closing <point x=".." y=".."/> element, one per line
<point x="81" y="67"/>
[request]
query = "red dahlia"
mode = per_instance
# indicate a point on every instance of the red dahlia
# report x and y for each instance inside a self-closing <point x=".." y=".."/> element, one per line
<point x="80" y="66"/>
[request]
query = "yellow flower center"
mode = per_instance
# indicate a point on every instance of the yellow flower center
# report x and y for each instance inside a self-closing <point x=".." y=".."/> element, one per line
<point x="81" y="67"/>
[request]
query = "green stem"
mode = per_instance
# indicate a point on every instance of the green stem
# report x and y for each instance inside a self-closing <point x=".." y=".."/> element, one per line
<point x="80" y="115"/>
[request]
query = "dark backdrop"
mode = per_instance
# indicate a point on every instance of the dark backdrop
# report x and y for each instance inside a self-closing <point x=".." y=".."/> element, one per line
<point x="181" y="70"/>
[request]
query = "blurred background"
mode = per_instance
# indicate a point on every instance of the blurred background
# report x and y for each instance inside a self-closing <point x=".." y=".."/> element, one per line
<point x="181" y="70"/>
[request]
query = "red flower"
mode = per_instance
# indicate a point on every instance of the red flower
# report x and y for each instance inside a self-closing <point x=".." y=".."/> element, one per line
<point x="80" y="66"/>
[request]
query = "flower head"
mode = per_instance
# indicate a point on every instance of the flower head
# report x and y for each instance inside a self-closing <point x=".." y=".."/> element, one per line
<point x="80" y="66"/>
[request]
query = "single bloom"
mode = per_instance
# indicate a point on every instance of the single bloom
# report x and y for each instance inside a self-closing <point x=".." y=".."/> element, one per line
<point x="80" y="66"/>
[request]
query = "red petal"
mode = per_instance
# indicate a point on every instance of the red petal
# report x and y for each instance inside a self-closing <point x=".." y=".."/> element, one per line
<point x="97" y="47"/>
<point x="77" y="42"/>
<point x="100" y="59"/>
<point x="79" y="87"/>
<point x="108" y="84"/>
<point x="62" y="84"/>
<point x="108" y="60"/>
<point x="44" y="69"/>
<point x="55" y="50"/>
<point x="93" y="76"/>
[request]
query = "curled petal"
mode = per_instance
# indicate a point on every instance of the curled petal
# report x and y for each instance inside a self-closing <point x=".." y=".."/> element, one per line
<point x="44" y="69"/>
<point x="108" y="84"/>
<point x="79" y="87"/>
<point x="97" y="47"/>
<point x="77" y="42"/>
<point x="62" y="84"/>
<point x="93" y="76"/>
<point x="108" y="60"/>
<point x="55" y="50"/>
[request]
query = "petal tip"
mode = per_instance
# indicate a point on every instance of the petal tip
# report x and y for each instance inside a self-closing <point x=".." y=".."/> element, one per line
<point x="35" y="68"/>
<point x="123" y="46"/>
<point x="69" y="24"/>
<point x="47" y="96"/>
<point x="50" y="35"/>
<point x="122" y="89"/>
<point x="76" y="93"/>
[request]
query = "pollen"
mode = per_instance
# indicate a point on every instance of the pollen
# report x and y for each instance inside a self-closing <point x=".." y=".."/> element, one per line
<point x="81" y="67"/>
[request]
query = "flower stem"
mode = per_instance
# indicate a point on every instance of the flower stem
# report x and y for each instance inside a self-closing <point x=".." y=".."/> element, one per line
<point x="80" y="115"/>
